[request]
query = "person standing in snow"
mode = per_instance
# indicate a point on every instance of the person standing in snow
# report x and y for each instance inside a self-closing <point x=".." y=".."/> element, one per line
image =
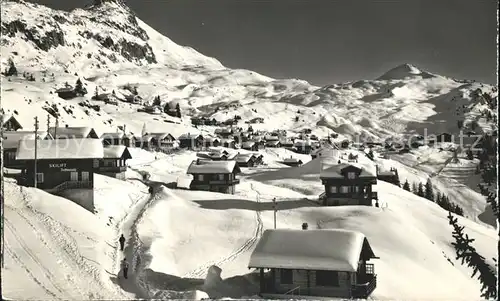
<point x="122" y="242"/>
<point x="124" y="266"/>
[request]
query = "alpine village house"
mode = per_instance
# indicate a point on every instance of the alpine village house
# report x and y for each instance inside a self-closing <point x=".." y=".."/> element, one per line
<point x="348" y="184"/>
<point x="215" y="176"/>
<point x="290" y="263"/>
<point x="62" y="164"/>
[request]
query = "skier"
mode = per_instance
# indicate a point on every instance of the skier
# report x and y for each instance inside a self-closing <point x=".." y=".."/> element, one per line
<point x="124" y="266"/>
<point x="122" y="242"/>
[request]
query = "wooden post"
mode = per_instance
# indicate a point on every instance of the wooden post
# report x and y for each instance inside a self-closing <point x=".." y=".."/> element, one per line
<point x="275" y="208"/>
<point x="2" y="190"/>
<point x="48" y="122"/>
<point x="36" y="142"/>
<point x="55" y="129"/>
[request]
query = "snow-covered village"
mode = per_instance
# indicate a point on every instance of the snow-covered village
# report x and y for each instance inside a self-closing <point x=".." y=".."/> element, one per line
<point x="137" y="168"/>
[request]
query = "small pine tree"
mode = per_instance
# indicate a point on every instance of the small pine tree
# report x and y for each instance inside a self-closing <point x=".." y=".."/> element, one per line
<point x="429" y="192"/>
<point x="134" y="91"/>
<point x="96" y="92"/>
<point x="178" y="111"/>
<point x="370" y="154"/>
<point x="166" y="108"/>
<point x="12" y="70"/>
<point x="296" y="118"/>
<point x="420" y="190"/>
<point x="406" y="186"/>
<point x="113" y="93"/>
<point x="157" y="101"/>
<point x="414" y="188"/>
<point x="469" y="256"/>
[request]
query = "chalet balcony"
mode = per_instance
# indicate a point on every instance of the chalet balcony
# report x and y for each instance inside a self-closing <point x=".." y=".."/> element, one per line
<point x="111" y="169"/>
<point x="366" y="283"/>
<point x="70" y="185"/>
<point x="224" y="182"/>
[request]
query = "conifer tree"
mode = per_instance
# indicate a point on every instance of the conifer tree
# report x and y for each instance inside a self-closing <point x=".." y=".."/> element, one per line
<point x="420" y="190"/>
<point x="406" y="185"/>
<point x="12" y="70"/>
<point x="178" y="110"/>
<point x="414" y="188"/>
<point x="429" y="192"/>
<point x="469" y="256"/>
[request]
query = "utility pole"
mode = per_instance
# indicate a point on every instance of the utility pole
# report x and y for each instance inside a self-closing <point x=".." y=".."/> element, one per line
<point x="2" y="200"/>
<point x="55" y="129"/>
<point x="48" y="122"/>
<point x="36" y="146"/>
<point x="275" y="209"/>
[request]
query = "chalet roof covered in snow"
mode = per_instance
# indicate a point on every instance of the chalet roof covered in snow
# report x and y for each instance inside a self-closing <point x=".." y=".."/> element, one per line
<point x="72" y="132"/>
<point x="244" y="158"/>
<point x="335" y="171"/>
<point x="318" y="249"/>
<point x="60" y="149"/>
<point x="10" y="117"/>
<point x="189" y="136"/>
<point x="162" y="136"/>
<point x="213" y="167"/>
<point x="292" y="160"/>
<point x="116" y="135"/>
<point x="116" y="151"/>
<point x="248" y="144"/>
<point x="11" y="138"/>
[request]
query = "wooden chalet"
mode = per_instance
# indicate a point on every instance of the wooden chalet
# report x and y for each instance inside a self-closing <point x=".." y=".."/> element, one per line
<point x="162" y="140"/>
<point x="118" y="138"/>
<point x="250" y="145"/>
<point x="273" y="144"/>
<point x="10" y="123"/>
<point x="302" y="147"/>
<point x="348" y="184"/>
<point x="191" y="141"/>
<point x="322" y="152"/>
<point x="66" y="92"/>
<point x="245" y="160"/>
<point x="113" y="163"/>
<point x="11" y="141"/>
<point x="62" y="164"/>
<point x="215" y="156"/>
<point x="144" y="142"/>
<point x="292" y="162"/>
<point x="216" y="176"/>
<point x="292" y="266"/>
<point x="228" y="143"/>
<point x="69" y="132"/>
<point x="224" y="132"/>
<point x="211" y="142"/>
<point x="390" y="175"/>
<point x="444" y="137"/>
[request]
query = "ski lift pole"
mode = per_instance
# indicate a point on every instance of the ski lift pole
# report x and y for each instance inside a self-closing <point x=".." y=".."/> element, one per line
<point x="275" y="209"/>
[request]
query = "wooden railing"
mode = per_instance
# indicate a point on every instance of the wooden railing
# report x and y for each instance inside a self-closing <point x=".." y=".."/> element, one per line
<point x="293" y="290"/>
<point x="111" y="168"/>
<point x="70" y="185"/>
<point x="364" y="290"/>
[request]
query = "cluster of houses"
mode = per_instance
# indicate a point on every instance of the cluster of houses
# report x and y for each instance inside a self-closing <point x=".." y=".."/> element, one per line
<point x="288" y="261"/>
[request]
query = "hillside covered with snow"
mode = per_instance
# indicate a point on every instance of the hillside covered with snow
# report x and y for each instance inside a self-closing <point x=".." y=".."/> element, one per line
<point x="57" y="250"/>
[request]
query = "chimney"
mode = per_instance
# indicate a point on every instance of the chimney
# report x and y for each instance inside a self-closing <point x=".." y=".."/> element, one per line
<point x="197" y="161"/>
<point x="304" y="226"/>
<point x="66" y="126"/>
<point x="124" y="128"/>
<point x="338" y="162"/>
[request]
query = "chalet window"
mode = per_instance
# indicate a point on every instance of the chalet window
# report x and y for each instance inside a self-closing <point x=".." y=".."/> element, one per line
<point x="96" y="163"/>
<point x="286" y="276"/>
<point x="201" y="178"/>
<point x="11" y="156"/>
<point x="333" y="189"/>
<point x="85" y="176"/>
<point x="327" y="278"/>
<point x="39" y="177"/>
<point x="344" y="189"/>
<point x="220" y="177"/>
<point x="351" y="175"/>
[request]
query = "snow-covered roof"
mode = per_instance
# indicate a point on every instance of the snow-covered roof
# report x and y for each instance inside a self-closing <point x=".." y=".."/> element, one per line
<point x="272" y="142"/>
<point x="224" y="131"/>
<point x="116" y="151"/>
<point x="7" y="117"/>
<point x="292" y="160"/>
<point x="244" y="157"/>
<point x="189" y="136"/>
<point x="212" y="167"/>
<point x="115" y="135"/>
<point x="71" y="132"/>
<point x="161" y="136"/>
<point x="248" y="144"/>
<point x="11" y="138"/>
<point x="60" y="149"/>
<point x="317" y="249"/>
<point x="226" y="141"/>
<point x="335" y="171"/>
<point x="211" y="139"/>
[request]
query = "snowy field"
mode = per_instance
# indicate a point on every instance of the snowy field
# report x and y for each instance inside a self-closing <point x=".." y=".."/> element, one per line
<point x="184" y="244"/>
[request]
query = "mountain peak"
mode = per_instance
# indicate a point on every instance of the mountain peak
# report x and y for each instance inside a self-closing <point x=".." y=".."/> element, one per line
<point x="100" y="2"/>
<point x="403" y="71"/>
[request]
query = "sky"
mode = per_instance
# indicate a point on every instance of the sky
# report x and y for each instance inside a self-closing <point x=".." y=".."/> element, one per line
<point x="330" y="41"/>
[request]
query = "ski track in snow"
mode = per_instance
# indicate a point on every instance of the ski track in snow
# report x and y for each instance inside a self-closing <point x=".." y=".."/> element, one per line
<point x="74" y="259"/>
<point x="202" y="270"/>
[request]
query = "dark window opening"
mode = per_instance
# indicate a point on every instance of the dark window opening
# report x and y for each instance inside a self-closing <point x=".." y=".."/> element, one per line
<point x="327" y="278"/>
<point x="286" y="276"/>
